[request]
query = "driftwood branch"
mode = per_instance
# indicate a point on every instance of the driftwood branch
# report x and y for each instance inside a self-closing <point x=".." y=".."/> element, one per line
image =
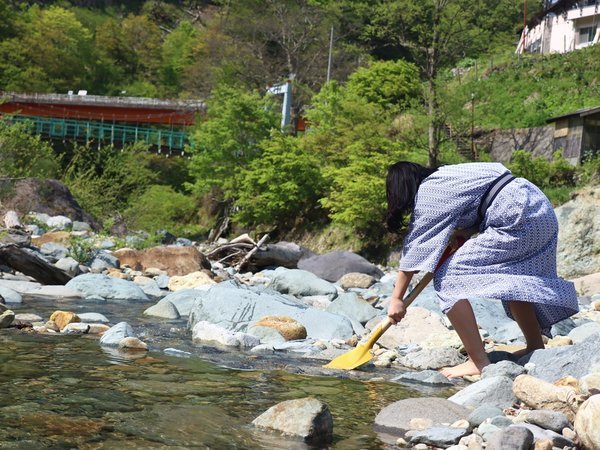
<point x="249" y="255"/>
<point x="29" y="263"/>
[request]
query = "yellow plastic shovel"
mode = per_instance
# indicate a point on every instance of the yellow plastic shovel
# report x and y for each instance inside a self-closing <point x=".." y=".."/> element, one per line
<point x="362" y="353"/>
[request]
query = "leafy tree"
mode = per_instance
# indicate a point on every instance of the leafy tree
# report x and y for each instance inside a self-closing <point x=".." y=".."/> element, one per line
<point x="228" y="138"/>
<point x="434" y="33"/>
<point x="23" y="154"/>
<point x="387" y="83"/>
<point x="57" y="51"/>
<point x="142" y="39"/>
<point x="352" y="138"/>
<point x="177" y="54"/>
<point x="281" y="187"/>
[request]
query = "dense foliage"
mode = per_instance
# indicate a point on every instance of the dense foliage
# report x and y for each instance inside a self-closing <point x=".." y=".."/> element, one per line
<point x="374" y="82"/>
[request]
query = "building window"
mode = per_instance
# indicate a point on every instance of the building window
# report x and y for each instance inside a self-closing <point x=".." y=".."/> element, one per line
<point x="586" y="35"/>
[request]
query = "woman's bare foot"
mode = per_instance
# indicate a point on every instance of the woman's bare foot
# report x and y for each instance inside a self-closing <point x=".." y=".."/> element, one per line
<point x="465" y="369"/>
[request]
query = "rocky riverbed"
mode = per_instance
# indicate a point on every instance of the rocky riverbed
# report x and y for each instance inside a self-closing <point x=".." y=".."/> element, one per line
<point x="303" y="310"/>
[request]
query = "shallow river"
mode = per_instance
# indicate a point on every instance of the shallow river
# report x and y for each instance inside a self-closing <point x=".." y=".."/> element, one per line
<point x="65" y="392"/>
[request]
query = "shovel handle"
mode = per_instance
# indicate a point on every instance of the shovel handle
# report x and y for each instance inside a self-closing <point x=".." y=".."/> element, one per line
<point x="450" y="249"/>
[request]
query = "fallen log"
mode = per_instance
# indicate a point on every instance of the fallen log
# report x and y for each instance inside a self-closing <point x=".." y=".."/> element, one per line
<point x="29" y="263"/>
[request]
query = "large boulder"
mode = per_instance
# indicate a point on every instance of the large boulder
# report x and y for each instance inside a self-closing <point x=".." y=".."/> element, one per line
<point x="235" y="308"/>
<point x="281" y="254"/>
<point x="577" y="360"/>
<point x="301" y="283"/>
<point x="175" y="260"/>
<point x="395" y="419"/>
<point x="306" y="418"/>
<point x="107" y="287"/>
<point x="579" y="235"/>
<point x="332" y="266"/>
<point x="44" y="196"/>
<point x="587" y="422"/>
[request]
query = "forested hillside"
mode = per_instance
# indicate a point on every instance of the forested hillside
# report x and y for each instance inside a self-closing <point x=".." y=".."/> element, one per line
<point x="375" y="82"/>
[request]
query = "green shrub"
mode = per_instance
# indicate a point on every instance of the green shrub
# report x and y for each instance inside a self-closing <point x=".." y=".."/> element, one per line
<point x="23" y="154"/>
<point x="160" y="207"/>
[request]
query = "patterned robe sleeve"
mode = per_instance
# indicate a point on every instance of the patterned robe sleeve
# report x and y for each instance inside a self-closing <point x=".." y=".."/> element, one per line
<point x="439" y="205"/>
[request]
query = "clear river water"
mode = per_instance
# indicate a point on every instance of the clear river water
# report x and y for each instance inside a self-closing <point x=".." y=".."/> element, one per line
<point x="66" y="392"/>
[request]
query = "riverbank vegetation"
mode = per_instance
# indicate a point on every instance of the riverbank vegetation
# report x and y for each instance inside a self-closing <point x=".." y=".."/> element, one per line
<point x="375" y="99"/>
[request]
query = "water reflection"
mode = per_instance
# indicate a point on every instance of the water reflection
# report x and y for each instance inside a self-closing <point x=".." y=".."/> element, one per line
<point x="68" y="392"/>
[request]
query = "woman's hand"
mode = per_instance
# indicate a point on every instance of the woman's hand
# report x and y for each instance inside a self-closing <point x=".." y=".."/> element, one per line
<point x="396" y="310"/>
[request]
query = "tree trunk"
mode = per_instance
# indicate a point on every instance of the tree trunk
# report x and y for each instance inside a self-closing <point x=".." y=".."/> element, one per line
<point x="28" y="263"/>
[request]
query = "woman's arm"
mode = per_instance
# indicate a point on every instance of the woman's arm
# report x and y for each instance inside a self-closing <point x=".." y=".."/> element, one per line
<point x="396" y="308"/>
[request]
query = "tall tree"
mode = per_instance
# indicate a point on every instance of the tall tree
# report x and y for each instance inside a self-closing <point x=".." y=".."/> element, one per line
<point x="435" y="34"/>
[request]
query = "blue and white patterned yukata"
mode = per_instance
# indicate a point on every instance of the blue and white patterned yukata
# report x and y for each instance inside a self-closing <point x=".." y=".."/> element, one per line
<point x="512" y="258"/>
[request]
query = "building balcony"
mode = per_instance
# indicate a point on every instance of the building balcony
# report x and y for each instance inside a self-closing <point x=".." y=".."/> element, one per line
<point x="586" y="11"/>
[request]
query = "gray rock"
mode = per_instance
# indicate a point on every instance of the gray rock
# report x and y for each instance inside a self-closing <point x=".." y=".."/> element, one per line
<point x="92" y="317"/>
<point x="349" y="305"/>
<point x="501" y="421"/>
<point x="439" y="436"/>
<point x="428" y="377"/>
<point x="486" y="430"/>
<point x="204" y="332"/>
<point x="10" y="296"/>
<point x="75" y="328"/>
<point x="152" y="290"/>
<point x="234" y="308"/>
<point x="59" y="222"/>
<point x="7" y="318"/>
<point x="162" y="281"/>
<point x="28" y="317"/>
<point x="512" y="438"/>
<point x="503" y="368"/>
<point x="307" y="418"/>
<point x="163" y="309"/>
<point x="395" y="418"/>
<point x="111" y="289"/>
<point x="81" y="226"/>
<point x="113" y="335"/>
<point x="69" y="265"/>
<point x="489" y="313"/>
<point x="545" y="418"/>
<point x="332" y="266"/>
<point x="539" y="433"/>
<point x="280" y="254"/>
<point x="301" y="283"/>
<point x="582" y="332"/>
<point x="104" y="260"/>
<point x="563" y="327"/>
<point x="494" y="391"/>
<point x="577" y="360"/>
<point x="183" y="242"/>
<point x="434" y="358"/>
<point x="579" y="235"/>
<point x="52" y="292"/>
<point x="266" y="335"/>
<point x="183" y="300"/>
<point x="481" y="413"/>
<point x="53" y="251"/>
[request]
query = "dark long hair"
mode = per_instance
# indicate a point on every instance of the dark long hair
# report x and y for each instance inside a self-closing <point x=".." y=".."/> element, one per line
<point x="402" y="183"/>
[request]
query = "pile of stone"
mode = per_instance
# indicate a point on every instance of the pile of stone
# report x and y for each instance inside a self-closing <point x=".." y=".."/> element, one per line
<point x="316" y="307"/>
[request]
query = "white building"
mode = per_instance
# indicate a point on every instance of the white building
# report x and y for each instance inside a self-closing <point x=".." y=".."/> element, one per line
<point x="563" y="27"/>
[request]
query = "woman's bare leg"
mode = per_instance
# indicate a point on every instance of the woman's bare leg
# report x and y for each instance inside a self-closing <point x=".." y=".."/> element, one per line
<point x="524" y="315"/>
<point x="463" y="320"/>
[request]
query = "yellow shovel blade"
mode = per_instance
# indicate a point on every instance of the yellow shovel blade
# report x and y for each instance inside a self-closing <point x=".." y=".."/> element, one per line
<point x="361" y="354"/>
<point x="352" y="359"/>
